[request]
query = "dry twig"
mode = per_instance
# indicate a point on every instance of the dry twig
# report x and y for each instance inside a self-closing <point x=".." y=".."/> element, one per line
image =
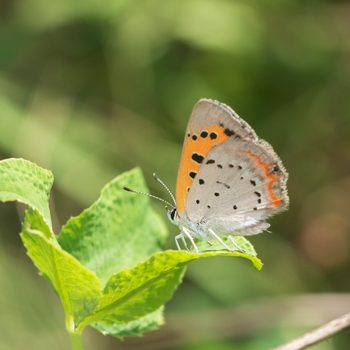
<point x="318" y="335"/>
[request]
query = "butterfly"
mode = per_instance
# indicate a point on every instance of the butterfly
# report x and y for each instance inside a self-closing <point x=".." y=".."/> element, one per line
<point x="229" y="180"/>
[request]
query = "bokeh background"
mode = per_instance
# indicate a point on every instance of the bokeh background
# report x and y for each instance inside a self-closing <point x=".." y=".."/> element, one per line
<point x="90" y="89"/>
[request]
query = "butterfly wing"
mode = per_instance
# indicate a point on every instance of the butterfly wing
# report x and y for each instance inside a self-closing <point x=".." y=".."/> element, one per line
<point x="240" y="180"/>
<point x="238" y="187"/>
<point x="211" y="124"/>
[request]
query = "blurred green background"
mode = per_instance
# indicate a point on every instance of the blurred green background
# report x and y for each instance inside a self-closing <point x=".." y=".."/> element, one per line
<point x="90" y="89"/>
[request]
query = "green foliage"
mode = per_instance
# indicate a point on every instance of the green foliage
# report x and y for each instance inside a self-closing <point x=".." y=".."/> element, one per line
<point x="105" y="265"/>
<point x="77" y="286"/>
<point x="89" y="89"/>
<point x="119" y="230"/>
<point x="23" y="181"/>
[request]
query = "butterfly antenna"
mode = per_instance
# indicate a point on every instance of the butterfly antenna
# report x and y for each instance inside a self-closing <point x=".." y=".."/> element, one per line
<point x="148" y="195"/>
<point x="165" y="186"/>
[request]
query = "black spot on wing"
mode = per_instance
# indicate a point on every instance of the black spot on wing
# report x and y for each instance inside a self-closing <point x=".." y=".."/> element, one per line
<point x="210" y="161"/>
<point x="229" y="132"/>
<point x="194" y="137"/>
<point x="275" y="169"/>
<point x="192" y="174"/>
<point x="197" y="158"/>
<point x="213" y="135"/>
<point x="201" y="181"/>
<point x="204" y="134"/>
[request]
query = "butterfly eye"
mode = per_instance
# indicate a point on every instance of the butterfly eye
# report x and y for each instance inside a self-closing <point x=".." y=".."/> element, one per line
<point x="172" y="214"/>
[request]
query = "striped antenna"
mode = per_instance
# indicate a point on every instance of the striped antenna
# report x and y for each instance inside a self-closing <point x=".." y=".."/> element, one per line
<point x="148" y="195"/>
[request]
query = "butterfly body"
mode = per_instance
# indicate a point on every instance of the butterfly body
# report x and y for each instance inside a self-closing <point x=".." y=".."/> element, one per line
<point x="229" y="180"/>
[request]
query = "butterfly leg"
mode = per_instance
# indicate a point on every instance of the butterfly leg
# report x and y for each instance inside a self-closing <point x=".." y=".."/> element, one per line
<point x="188" y="235"/>
<point x="235" y="245"/>
<point x="219" y="239"/>
<point x="176" y="242"/>
<point x="183" y="240"/>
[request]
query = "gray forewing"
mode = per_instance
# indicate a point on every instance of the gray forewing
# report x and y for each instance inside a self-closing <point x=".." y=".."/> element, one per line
<point x="208" y="112"/>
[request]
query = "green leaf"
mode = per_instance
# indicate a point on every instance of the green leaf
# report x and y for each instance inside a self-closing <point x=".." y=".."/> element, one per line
<point x="154" y="319"/>
<point x="150" y="322"/>
<point x="133" y="293"/>
<point x="241" y="244"/>
<point x="24" y="181"/>
<point x="119" y="230"/>
<point x="111" y="244"/>
<point x="78" y="287"/>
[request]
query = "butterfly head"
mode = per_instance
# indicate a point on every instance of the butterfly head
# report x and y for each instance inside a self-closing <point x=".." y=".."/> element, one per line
<point x="172" y="215"/>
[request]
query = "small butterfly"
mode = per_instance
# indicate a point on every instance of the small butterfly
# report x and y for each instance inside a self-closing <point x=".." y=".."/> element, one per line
<point x="229" y="180"/>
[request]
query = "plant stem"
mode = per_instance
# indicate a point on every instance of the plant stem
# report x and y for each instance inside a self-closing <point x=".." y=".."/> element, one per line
<point x="76" y="341"/>
<point x="318" y="335"/>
